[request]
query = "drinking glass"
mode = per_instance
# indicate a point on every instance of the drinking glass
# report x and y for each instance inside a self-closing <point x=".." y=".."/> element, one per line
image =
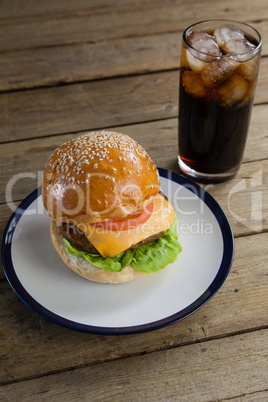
<point x="218" y="75"/>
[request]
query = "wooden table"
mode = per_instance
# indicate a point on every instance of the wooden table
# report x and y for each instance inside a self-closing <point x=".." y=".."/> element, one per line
<point x="70" y="67"/>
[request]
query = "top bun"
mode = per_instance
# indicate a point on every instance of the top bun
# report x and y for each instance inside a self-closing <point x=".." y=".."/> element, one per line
<point x="97" y="176"/>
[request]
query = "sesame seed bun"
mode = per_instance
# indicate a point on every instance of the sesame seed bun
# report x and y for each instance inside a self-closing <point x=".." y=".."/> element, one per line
<point x="97" y="176"/>
<point x="87" y="270"/>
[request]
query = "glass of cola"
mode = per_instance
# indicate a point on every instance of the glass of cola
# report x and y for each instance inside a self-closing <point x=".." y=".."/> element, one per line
<point x="219" y="68"/>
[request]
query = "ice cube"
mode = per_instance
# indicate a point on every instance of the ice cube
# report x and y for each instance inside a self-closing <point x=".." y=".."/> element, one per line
<point x="225" y="33"/>
<point x="218" y="71"/>
<point x="194" y="63"/>
<point x="249" y="69"/>
<point x="232" y="92"/>
<point x="203" y="49"/>
<point x="204" y="43"/>
<point x="239" y="46"/>
<point x="232" y="40"/>
<point x="193" y="84"/>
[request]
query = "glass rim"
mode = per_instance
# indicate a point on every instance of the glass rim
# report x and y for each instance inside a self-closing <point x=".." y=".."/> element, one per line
<point x="254" y="51"/>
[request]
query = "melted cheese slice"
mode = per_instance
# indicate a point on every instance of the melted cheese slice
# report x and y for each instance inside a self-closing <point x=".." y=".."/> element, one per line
<point x="111" y="243"/>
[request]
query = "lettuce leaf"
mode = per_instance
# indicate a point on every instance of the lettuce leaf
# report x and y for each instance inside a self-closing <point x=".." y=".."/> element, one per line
<point x="151" y="257"/>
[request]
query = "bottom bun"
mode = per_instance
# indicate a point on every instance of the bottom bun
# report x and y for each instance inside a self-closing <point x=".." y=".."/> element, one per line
<point x="87" y="270"/>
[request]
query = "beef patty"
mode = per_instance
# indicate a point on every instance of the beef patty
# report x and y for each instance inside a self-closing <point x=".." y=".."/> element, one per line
<point x="78" y="239"/>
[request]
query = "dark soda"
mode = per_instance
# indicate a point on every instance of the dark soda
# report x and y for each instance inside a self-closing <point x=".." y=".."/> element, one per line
<point x="211" y="138"/>
<point x="215" y="101"/>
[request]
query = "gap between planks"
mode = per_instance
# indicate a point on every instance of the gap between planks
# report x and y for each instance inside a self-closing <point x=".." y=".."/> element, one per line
<point x="53" y="104"/>
<point x="163" y="374"/>
<point x="86" y="62"/>
<point x="145" y="18"/>
<point x="137" y="354"/>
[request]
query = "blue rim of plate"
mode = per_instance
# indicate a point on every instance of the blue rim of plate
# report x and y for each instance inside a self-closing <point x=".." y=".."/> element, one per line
<point x="224" y="268"/>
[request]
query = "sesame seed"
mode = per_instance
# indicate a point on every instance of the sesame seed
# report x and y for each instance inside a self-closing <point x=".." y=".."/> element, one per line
<point x="96" y="146"/>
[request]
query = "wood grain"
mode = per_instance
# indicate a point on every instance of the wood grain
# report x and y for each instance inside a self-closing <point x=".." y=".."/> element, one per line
<point x="88" y="61"/>
<point x="91" y="105"/>
<point x="139" y="19"/>
<point x="36" y="113"/>
<point x="239" y="361"/>
<point x="261" y="396"/>
<point x="46" y="345"/>
<point x="33" y="8"/>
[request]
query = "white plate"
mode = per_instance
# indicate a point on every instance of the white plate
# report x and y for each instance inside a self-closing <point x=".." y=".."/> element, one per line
<point x="40" y="278"/>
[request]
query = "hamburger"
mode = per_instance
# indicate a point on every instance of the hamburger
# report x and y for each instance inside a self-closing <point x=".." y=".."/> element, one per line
<point x="110" y="223"/>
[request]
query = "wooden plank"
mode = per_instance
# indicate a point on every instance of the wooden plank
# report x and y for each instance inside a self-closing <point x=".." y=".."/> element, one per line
<point x="17" y="8"/>
<point x="262" y="82"/>
<point x="33" y="8"/>
<point x="198" y="372"/>
<point x="138" y="19"/>
<point x="245" y="199"/>
<point x="85" y="106"/>
<point x="251" y="397"/>
<point x="5" y="213"/>
<point x="65" y="109"/>
<point x="88" y="61"/>
<point x="240" y="305"/>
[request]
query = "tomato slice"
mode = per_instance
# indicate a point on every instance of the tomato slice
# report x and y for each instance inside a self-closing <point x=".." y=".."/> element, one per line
<point x="130" y="222"/>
